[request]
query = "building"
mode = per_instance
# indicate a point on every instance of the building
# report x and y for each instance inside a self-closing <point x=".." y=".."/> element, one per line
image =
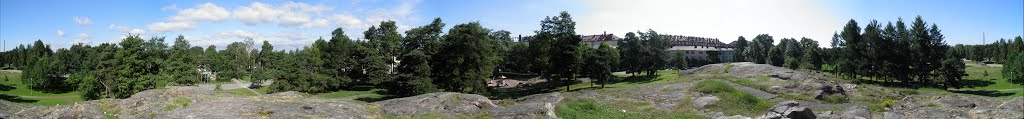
<point x="596" y="40"/>
<point x="700" y="47"/>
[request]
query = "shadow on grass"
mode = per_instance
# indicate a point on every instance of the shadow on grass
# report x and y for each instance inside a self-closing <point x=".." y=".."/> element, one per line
<point x="375" y="99"/>
<point x="5" y="87"/>
<point x="989" y="93"/>
<point x="16" y="99"/>
<point x="637" y="79"/>
<point x="971" y="83"/>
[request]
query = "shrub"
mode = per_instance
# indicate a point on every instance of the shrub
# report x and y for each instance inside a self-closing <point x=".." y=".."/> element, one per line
<point x="890" y="103"/>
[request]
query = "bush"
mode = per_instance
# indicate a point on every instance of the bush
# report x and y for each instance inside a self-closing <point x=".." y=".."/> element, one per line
<point x="890" y="103"/>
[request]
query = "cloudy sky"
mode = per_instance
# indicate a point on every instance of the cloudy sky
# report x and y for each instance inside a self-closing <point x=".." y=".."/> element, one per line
<point x="292" y="24"/>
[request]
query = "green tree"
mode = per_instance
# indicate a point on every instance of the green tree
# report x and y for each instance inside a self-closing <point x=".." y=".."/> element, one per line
<point x="776" y="57"/>
<point x="759" y="49"/>
<point x="679" y="60"/>
<point x="129" y="78"/>
<point x="630" y="47"/>
<point x="811" y="58"/>
<point x="181" y="65"/>
<point x="741" y="46"/>
<point x="952" y="70"/>
<point x="461" y="63"/>
<point x="1013" y="70"/>
<point x="413" y="75"/>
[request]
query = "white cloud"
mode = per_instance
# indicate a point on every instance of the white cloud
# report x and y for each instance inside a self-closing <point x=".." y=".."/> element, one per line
<point x="83" y="21"/>
<point x="169" y="7"/>
<point x="60" y="33"/>
<point x="256" y="13"/>
<point x="290" y="14"/>
<point x="202" y="12"/>
<point x="125" y="29"/>
<point x="137" y="31"/>
<point x="82" y="38"/>
<point x="318" y="23"/>
<point x="293" y="19"/>
<point x="722" y="19"/>
<point x="348" y="21"/>
<point x="238" y="34"/>
<point x="294" y="36"/>
<point x="171" y="26"/>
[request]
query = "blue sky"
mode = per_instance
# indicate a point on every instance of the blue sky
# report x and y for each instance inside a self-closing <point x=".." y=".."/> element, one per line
<point x="292" y="24"/>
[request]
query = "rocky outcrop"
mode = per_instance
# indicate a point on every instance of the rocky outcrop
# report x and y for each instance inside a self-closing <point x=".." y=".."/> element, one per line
<point x="789" y="110"/>
<point x="784" y="80"/>
<point x="529" y="107"/>
<point x="955" y="106"/>
<point x="443" y="102"/>
<point x="278" y="106"/>
<point x="194" y="102"/>
<point x="448" y="104"/>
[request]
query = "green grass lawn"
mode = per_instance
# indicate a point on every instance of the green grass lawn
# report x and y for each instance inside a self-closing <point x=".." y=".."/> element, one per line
<point x="992" y="84"/>
<point x="14" y="90"/>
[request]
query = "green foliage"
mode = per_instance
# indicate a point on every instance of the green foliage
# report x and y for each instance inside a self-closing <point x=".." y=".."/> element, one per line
<point x="462" y="62"/>
<point x="414" y="76"/>
<point x="759" y="48"/>
<point x="1013" y="70"/>
<point x="776" y="56"/>
<point x="739" y="53"/>
<point x="890" y="103"/>
<point x="679" y="61"/>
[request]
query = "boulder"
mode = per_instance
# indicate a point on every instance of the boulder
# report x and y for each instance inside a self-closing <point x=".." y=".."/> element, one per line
<point x="442" y="102"/>
<point x="799" y="113"/>
<point x="789" y="110"/>
<point x="704" y="100"/>
<point x="857" y="112"/>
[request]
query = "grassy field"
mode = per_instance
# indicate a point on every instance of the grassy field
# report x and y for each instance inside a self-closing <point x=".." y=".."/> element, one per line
<point x="989" y="81"/>
<point x="12" y="89"/>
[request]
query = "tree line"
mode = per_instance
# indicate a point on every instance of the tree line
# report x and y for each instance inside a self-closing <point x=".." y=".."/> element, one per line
<point x="425" y="60"/>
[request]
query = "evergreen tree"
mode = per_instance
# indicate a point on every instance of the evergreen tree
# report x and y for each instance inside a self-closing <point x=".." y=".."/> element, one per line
<point x="129" y="78"/>
<point x="413" y="75"/>
<point x="461" y="63"/>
